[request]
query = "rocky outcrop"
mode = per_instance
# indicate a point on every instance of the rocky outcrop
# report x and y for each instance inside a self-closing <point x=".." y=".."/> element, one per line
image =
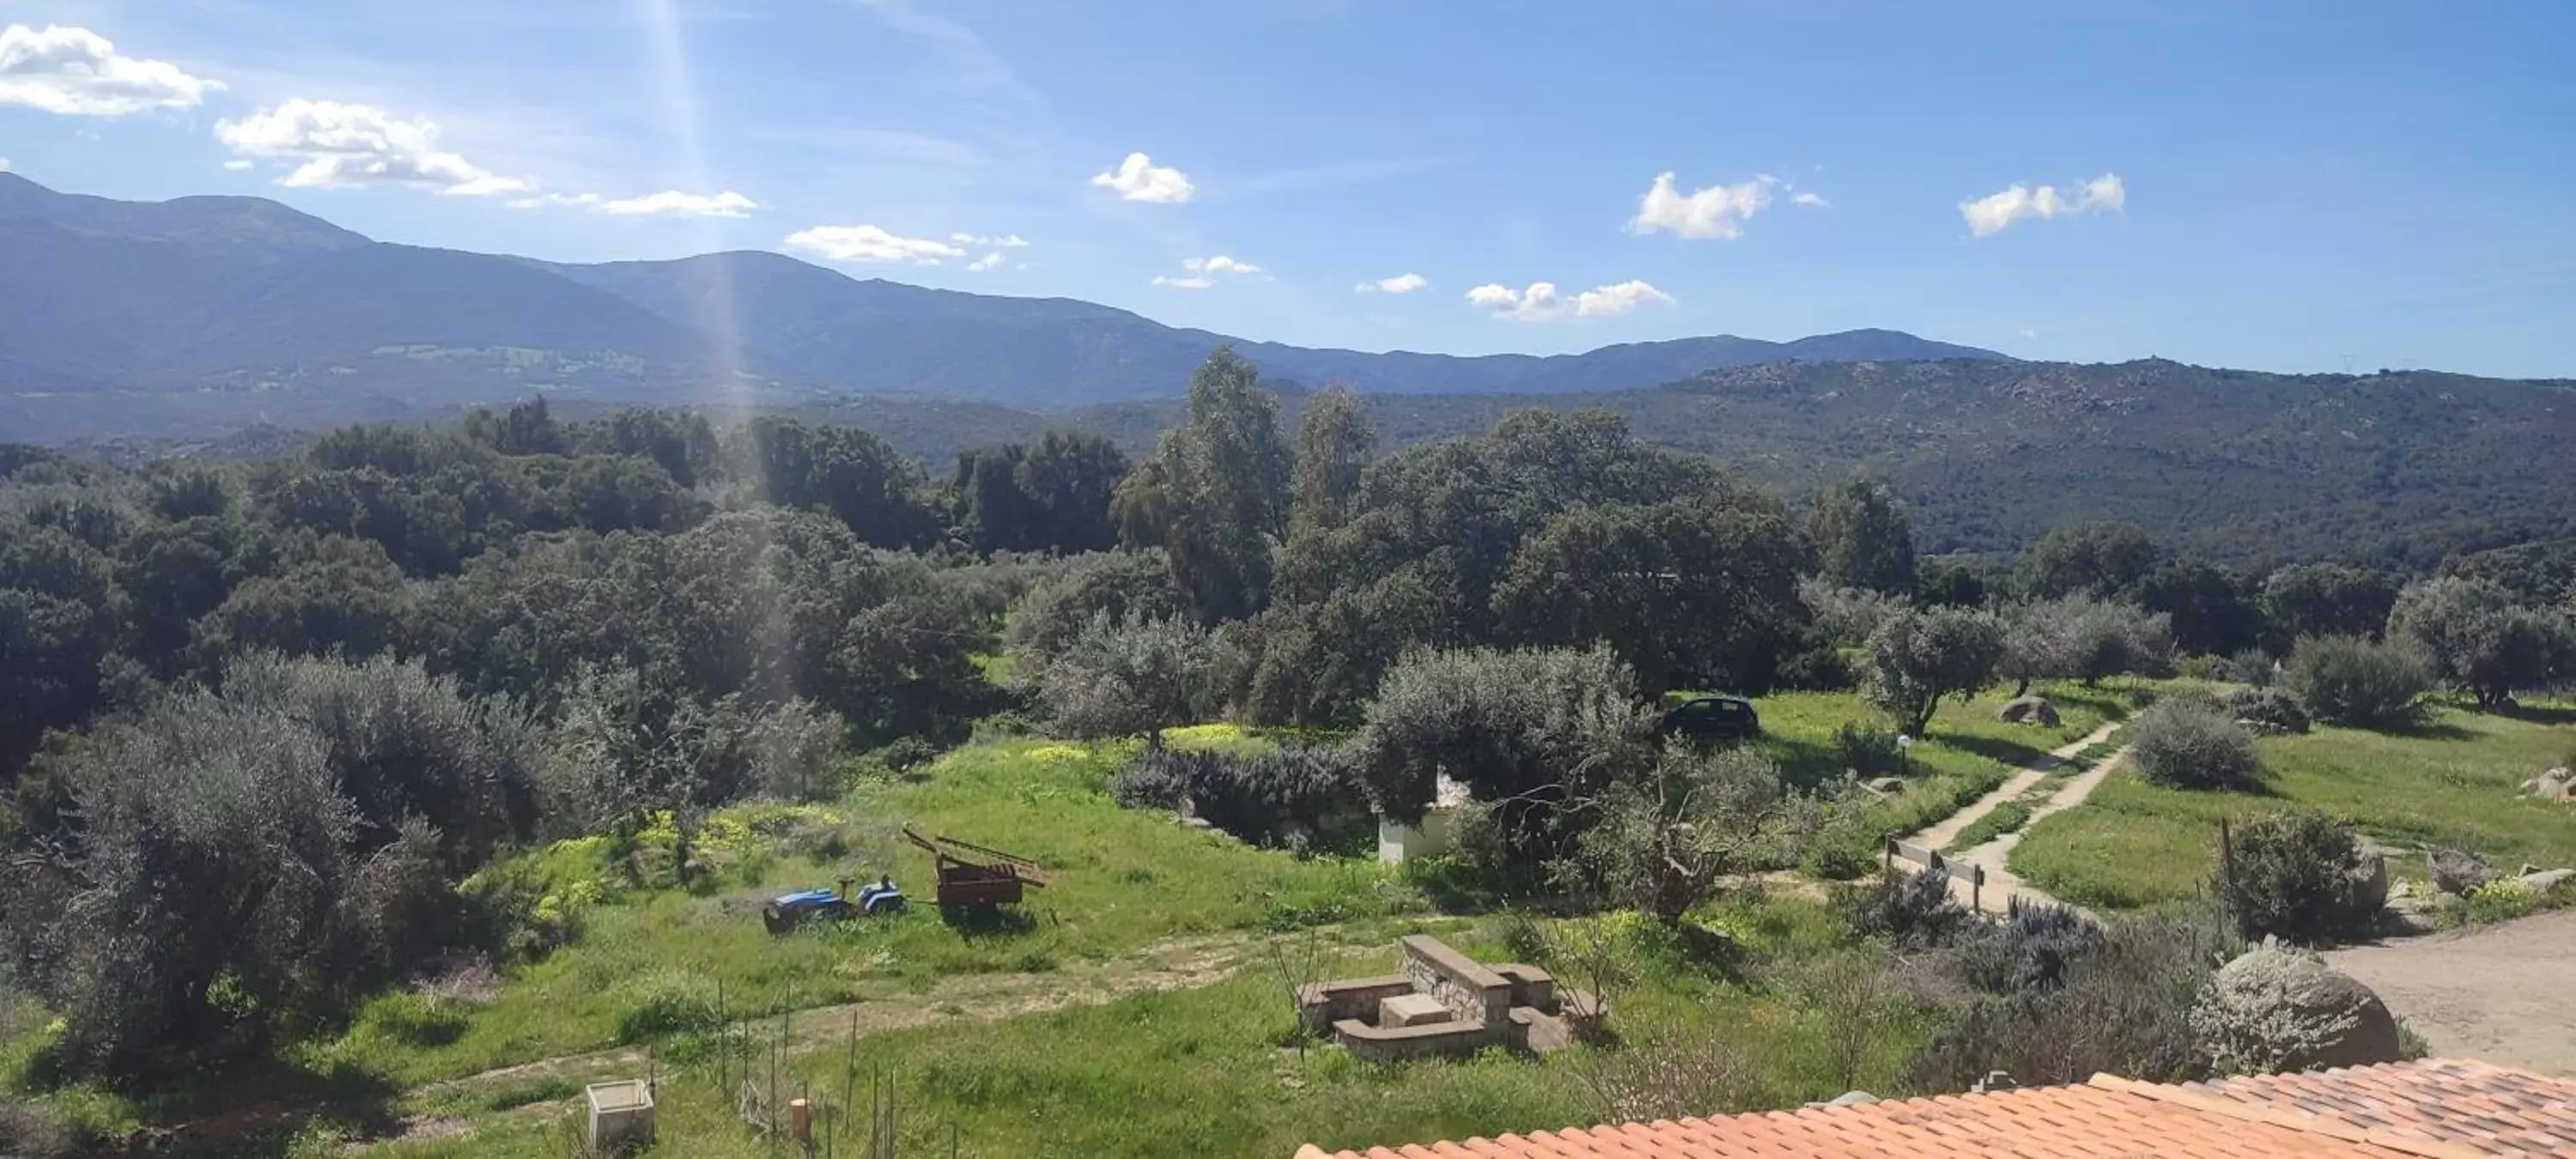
<point x="2028" y="710"/>
<point x="2280" y="1008"/>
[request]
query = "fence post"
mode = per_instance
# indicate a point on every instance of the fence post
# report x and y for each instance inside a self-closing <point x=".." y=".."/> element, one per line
<point x="1977" y="888"/>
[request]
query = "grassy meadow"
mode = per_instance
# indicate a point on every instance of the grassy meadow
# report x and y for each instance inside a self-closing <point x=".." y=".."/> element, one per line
<point x="2450" y="782"/>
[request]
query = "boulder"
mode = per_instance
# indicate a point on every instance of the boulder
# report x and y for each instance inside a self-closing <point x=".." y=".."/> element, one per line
<point x="1886" y="786"/>
<point x="2456" y="872"/>
<point x="2028" y="710"/>
<point x="2279" y="1008"/>
<point x="2548" y="879"/>
<point x="2554" y="785"/>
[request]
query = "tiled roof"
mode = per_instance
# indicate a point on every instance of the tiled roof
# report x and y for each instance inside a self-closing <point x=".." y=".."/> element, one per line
<point x="2430" y="1110"/>
<point x="2495" y="1110"/>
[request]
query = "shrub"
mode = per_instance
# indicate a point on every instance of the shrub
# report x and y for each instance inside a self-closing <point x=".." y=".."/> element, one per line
<point x="2124" y="1008"/>
<point x="1868" y="752"/>
<point x="2271" y="708"/>
<point x="668" y="1001"/>
<point x="2292" y="874"/>
<point x="1913" y="911"/>
<point x="2352" y="681"/>
<point x="1120" y="677"/>
<point x="31" y="1131"/>
<point x="2252" y="666"/>
<point x="1294" y="794"/>
<point x="2186" y="744"/>
<point x="1528" y="730"/>
<point x="2030" y="951"/>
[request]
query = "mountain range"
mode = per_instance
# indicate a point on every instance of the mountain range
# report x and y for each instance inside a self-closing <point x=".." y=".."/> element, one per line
<point x="252" y="307"/>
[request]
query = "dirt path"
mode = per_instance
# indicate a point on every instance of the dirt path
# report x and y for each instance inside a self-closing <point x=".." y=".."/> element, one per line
<point x="2002" y="885"/>
<point x="1177" y="965"/>
<point x="2497" y="993"/>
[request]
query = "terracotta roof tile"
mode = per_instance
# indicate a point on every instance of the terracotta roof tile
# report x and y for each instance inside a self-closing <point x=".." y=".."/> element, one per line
<point x="2431" y="1110"/>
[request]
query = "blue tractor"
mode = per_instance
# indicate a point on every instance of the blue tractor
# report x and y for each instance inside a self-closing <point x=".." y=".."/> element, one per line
<point x="788" y="911"/>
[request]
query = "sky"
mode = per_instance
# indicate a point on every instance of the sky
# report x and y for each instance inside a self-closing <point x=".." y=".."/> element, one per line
<point x="2280" y="186"/>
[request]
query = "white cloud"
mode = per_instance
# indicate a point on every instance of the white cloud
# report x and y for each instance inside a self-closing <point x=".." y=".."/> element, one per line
<point x="868" y="243"/>
<point x="76" y="72"/>
<point x="345" y="146"/>
<point x="1009" y="241"/>
<point x="1220" y="264"/>
<point x="4" y="164"/>
<point x="1399" y="284"/>
<point x="1718" y="211"/>
<point x="1541" y="302"/>
<point x="1989" y="215"/>
<point x="1205" y="272"/>
<point x="673" y="203"/>
<point x="1138" y="179"/>
<point x="988" y="261"/>
<point x="237" y="165"/>
<point x="2032" y="335"/>
<point x="543" y="200"/>
<point x="1814" y="199"/>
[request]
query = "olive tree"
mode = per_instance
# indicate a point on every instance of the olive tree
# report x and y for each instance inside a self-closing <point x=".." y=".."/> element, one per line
<point x="2481" y="640"/>
<point x="1917" y="659"/>
<point x="1130" y="675"/>
<point x="1667" y="837"/>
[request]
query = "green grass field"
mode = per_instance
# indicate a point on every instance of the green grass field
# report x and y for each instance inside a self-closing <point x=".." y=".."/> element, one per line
<point x="2451" y="782"/>
<point x="1132" y="1013"/>
<point x="1209" y="1071"/>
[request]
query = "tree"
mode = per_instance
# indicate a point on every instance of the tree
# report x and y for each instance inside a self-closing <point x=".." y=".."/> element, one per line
<point x="1863" y="539"/>
<point x="2357" y="681"/>
<point x="2324" y="599"/>
<point x="2106" y="559"/>
<point x="1527" y="732"/>
<point x="1688" y="593"/>
<point x="849" y="473"/>
<point x="2078" y="637"/>
<point x="1132" y="675"/>
<point x="1951" y="582"/>
<point x="1218" y="494"/>
<point x="2481" y="639"/>
<point x="1666" y="838"/>
<point x="1072" y="476"/>
<point x="1334" y="441"/>
<point x="2214" y="612"/>
<point x="1920" y="658"/>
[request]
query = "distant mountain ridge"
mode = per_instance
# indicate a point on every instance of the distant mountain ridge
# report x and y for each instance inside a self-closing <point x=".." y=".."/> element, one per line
<point x="239" y="294"/>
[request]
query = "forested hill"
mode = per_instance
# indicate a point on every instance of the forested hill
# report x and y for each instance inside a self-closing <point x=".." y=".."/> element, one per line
<point x="2397" y="469"/>
<point x="211" y="313"/>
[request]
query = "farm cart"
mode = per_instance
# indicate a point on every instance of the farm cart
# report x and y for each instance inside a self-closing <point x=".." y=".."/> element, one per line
<point x="974" y="879"/>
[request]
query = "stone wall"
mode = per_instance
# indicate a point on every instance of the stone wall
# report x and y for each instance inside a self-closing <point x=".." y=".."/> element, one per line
<point x="1326" y="1003"/>
<point x="1474" y="995"/>
<point x="1378" y="1044"/>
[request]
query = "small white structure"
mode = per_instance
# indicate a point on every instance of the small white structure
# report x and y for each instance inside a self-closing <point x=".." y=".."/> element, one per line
<point x="621" y="1116"/>
<point x="1398" y="842"/>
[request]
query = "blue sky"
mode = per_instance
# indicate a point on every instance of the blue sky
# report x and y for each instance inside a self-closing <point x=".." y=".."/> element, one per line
<point x="2276" y="186"/>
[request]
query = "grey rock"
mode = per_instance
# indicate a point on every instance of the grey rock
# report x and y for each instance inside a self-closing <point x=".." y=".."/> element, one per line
<point x="1889" y="786"/>
<point x="2028" y="710"/>
<point x="2280" y="1008"/>
<point x="2455" y="871"/>
<point x="2369" y="876"/>
<point x="2547" y="879"/>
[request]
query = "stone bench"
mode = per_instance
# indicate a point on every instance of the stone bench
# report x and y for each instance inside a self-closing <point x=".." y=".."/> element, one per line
<point x="1325" y="1003"/>
<point x="1392" y="1044"/>
<point x="1474" y="994"/>
<point x="1531" y="986"/>
<point x="1410" y="1009"/>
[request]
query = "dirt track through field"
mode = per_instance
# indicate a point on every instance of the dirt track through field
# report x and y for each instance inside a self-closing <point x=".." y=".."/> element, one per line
<point x="2498" y="993"/>
<point x="2002" y="885"/>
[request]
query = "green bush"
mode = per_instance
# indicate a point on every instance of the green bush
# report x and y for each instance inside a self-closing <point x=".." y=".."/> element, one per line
<point x="2186" y="744"/>
<point x="2269" y="707"/>
<point x="2352" y="681"/>
<point x="2293" y="874"/>
<point x="1913" y="911"/>
<point x="2030" y="951"/>
<point x="1868" y="752"/>
<point x="668" y="1001"/>
<point x="1294" y="795"/>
